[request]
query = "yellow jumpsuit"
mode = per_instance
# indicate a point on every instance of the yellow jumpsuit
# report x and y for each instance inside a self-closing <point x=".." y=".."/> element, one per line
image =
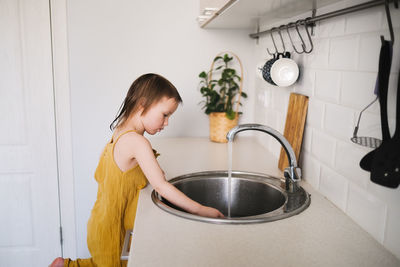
<point x="114" y="211"/>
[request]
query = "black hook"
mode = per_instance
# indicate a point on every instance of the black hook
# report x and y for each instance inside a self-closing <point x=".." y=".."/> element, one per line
<point x="389" y="20"/>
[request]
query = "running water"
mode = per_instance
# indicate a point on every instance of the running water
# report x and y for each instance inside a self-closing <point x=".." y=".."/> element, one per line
<point x="229" y="177"/>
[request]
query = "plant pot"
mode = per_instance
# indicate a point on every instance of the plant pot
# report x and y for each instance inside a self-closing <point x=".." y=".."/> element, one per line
<point x="220" y="126"/>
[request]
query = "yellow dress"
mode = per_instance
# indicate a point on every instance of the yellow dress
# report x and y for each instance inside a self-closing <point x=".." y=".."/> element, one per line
<point x="114" y="211"/>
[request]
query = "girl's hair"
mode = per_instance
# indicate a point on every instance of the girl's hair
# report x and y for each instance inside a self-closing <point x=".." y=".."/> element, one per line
<point x="145" y="91"/>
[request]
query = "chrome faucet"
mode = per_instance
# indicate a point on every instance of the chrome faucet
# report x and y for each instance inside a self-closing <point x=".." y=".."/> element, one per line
<point x="292" y="173"/>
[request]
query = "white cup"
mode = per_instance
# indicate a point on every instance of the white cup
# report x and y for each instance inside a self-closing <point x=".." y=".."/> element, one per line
<point x="284" y="72"/>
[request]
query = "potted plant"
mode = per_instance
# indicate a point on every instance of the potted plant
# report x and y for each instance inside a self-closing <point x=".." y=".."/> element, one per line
<point x="222" y="96"/>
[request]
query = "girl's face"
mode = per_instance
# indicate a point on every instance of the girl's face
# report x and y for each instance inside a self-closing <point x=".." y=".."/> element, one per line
<point x="156" y="117"/>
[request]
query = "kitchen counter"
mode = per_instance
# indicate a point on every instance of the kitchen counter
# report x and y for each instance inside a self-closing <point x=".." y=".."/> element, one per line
<point x="322" y="235"/>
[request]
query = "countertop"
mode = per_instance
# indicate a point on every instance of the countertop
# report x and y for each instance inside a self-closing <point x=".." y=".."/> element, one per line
<point x="322" y="235"/>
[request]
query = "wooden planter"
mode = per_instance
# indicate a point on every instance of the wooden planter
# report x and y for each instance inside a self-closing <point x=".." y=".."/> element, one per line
<point x="220" y="126"/>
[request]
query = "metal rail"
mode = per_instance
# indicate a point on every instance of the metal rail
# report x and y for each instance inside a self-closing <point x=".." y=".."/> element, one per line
<point x="329" y="15"/>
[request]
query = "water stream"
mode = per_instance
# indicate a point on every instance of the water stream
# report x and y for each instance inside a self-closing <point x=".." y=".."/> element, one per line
<point x="229" y="177"/>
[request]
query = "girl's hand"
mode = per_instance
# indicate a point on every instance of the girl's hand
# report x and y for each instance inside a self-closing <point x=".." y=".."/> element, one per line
<point x="209" y="212"/>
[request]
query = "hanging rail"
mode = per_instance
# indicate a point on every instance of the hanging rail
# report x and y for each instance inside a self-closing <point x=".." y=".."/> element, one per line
<point x="329" y="15"/>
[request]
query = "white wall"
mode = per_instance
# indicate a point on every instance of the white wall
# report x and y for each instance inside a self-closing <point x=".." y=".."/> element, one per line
<point x="339" y="78"/>
<point x="112" y="43"/>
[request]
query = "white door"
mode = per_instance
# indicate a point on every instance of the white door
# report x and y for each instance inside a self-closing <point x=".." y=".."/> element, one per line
<point x="29" y="203"/>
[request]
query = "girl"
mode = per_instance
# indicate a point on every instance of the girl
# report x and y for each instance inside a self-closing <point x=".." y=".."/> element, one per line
<point x="127" y="160"/>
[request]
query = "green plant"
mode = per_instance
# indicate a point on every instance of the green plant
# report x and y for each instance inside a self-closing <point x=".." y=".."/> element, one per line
<point x="220" y="94"/>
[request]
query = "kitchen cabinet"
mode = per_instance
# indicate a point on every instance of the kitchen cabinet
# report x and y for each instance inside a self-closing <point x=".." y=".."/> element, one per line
<point x="244" y="14"/>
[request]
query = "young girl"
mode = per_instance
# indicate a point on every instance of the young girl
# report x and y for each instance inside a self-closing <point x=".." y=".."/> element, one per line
<point x="127" y="160"/>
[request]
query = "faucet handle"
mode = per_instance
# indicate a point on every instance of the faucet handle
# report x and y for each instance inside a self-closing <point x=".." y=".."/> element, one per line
<point x="294" y="173"/>
<point x="292" y="177"/>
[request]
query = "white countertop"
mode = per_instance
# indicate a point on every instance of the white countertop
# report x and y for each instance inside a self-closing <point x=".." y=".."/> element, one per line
<point x="322" y="235"/>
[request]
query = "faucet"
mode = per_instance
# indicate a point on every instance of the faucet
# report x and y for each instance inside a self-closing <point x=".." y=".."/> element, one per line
<point x="292" y="173"/>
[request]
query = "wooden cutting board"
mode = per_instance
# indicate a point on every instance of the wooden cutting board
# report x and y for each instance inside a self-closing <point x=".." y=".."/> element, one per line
<point x="294" y="127"/>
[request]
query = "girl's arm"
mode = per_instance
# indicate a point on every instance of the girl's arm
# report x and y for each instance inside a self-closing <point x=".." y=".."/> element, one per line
<point x="139" y="147"/>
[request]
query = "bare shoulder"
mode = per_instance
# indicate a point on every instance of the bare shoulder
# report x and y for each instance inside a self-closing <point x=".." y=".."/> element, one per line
<point x="132" y="143"/>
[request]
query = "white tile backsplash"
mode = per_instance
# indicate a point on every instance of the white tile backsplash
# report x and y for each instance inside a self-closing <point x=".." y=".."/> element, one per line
<point x="370" y="124"/>
<point x="357" y="89"/>
<point x="315" y="113"/>
<point x="307" y="137"/>
<point x="343" y="53"/>
<point x="327" y="85"/>
<point x="392" y="230"/>
<point x="370" y="47"/>
<point x="311" y="169"/>
<point x="281" y="99"/>
<point x="320" y="56"/>
<point x="347" y="156"/>
<point x="339" y="121"/>
<point x="305" y="83"/>
<point x="367" y="210"/>
<point x="364" y="21"/>
<point x="339" y="78"/>
<point x="335" y="27"/>
<point x="333" y="186"/>
<point x="323" y="147"/>
<point x="395" y="15"/>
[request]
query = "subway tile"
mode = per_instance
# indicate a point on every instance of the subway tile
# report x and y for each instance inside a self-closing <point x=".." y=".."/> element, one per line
<point x="280" y="123"/>
<point x="392" y="231"/>
<point x="343" y="53"/>
<point x="330" y="28"/>
<point x="300" y="59"/>
<point x="274" y="145"/>
<point x="364" y="21"/>
<point x="263" y="141"/>
<point x="281" y="99"/>
<point x="327" y="85"/>
<point x="310" y="169"/>
<point x="305" y="83"/>
<point x="295" y="38"/>
<point x="319" y="57"/>
<point x="347" y="162"/>
<point x="259" y="115"/>
<point x="370" y="124"/>
<point x="268" y="99"/>
<point x="271" y="117"/>
<point x="258" y="71"/>
<point x="323" y="147"/>
<point x="357" y="89"/>
<point x="315" y="113"/>
<point x="260" y="99"/>
<point x="395" y="16"/>
<point x="334" y="187"/>
<point x="367" y="210"/>
<point x="339" y="121"/>
<point x="370" y="47"/>
<point x="307" y="136"/>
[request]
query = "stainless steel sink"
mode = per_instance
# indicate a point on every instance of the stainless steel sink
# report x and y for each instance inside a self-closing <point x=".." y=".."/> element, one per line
<point x="255" y="197"/>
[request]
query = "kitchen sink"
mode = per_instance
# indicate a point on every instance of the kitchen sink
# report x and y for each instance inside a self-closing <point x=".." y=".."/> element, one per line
<point x="255" y="197"/>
